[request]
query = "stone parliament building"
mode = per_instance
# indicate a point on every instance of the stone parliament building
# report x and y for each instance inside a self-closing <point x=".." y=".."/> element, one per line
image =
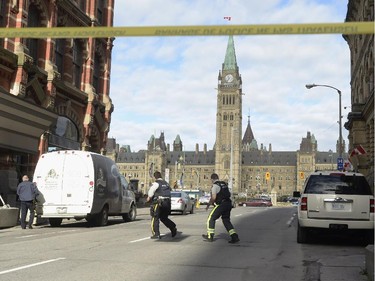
<point x="253" y="169"/>
<point x="258" y="169"/>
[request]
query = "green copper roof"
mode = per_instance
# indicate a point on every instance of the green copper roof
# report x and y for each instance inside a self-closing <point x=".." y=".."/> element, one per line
<point x="178" y="139"/>
<point x="230" y="61"/>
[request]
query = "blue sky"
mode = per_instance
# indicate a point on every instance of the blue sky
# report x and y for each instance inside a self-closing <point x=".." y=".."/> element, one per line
<point x="168" y="83"/>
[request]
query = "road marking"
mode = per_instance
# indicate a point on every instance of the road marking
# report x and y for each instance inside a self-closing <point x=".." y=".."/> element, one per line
<point x="30" y="265"/>
<point x="146" y="238"/>
<point x="48" y="233"/>
<point x="289" y="222"/>
<point x="139" y="240"/>
<point x="27" y="236"/>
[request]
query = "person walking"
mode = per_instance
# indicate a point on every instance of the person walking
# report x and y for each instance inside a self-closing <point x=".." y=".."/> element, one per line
<point x="220" y="198"/>
<point x="159" y="195"/>
<point x="27" y="192"/>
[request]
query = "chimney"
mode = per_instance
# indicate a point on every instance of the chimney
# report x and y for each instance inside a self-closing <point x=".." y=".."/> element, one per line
<point x="196" y="148"/>
<point x="205" y="148"/>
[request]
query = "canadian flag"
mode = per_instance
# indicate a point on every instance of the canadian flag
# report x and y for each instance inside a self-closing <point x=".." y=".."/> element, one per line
<point x="359" y="150"/>
<point x="348" y="166"/>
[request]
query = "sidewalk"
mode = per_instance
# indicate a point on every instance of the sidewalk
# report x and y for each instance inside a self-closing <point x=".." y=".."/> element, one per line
<point x="343" y="268"/>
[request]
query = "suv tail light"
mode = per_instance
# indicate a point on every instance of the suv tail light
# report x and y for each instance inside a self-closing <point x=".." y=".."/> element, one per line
<point x="304" y="204"/>
<point x="371" y="205"/>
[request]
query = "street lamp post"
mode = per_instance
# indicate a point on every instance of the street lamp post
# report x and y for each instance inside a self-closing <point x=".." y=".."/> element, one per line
<point x="231" y="162"/>
<point x="309" y="86"/>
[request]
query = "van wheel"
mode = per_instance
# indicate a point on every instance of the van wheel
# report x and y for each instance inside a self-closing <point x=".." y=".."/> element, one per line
<point x="302" y="235"/>
<point x="55" y="222"/>
<point x="102" y="217"/>
<point x="131" y="215"/>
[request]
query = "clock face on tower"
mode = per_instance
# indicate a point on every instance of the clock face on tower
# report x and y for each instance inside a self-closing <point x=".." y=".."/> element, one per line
<point x="229" y="78"/>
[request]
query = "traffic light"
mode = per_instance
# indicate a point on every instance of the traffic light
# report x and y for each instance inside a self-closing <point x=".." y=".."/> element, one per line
<point x="268" y="176"/>
<point x="301" y="175"/>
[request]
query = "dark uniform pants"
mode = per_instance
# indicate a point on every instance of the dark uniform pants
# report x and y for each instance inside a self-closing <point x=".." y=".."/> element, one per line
<point x="160" y="211"/>
<point x="25" y="206"/>
<point x="221" y="210"/>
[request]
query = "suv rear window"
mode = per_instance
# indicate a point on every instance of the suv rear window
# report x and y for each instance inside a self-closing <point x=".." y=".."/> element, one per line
<point x="338" y="184"/>
<point x="176" y="194"/>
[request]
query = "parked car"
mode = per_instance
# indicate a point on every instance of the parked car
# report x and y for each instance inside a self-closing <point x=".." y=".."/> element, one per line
<point x="294" y="201"/>
<point x="181" y="202"/>
<point x="256" y="202"/>
<point x="334" y="201"/>
<point x="204" y="200"/>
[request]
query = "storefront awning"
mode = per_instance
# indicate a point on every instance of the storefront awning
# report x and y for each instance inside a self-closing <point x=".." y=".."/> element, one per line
<point x="22" y="123"/>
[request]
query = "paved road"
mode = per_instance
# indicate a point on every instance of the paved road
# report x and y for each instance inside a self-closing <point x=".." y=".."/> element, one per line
<point x="123" y="251"/>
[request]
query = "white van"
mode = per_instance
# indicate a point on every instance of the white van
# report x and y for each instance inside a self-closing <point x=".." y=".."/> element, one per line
<point x="82" y="185"/>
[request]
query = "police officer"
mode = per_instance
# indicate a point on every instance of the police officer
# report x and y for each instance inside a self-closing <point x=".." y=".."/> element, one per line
<point x="220" y="198"/>
<point x="160" y="197"/>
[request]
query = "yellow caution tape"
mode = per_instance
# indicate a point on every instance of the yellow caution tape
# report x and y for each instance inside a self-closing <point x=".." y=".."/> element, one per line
<point x="214" y="30"/>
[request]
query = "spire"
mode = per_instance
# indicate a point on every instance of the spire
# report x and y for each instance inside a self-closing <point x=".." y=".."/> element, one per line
<point x="248" y="136"/>
<point x="249" y="143"/>
<point x="230" y="62"/>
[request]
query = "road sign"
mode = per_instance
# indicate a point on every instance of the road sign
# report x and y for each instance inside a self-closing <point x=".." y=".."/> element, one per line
<point x="340" y="163"/>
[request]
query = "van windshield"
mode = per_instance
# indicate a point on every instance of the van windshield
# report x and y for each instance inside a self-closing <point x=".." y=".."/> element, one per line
<point x="338" y="184"/>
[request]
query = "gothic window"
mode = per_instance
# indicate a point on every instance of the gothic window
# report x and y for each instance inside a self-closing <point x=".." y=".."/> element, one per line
<point x="223" y="99"/>
<point x="2" y="16"/>
<point x="231" y="117"/>
<point x="96" y="75"/>
<point x="32" y="43"/>
<point x="77" y="63"/>
<point x="99" y="11"/>
<point x="81" y="4"/>
<point x="226" y="164"/>
<point x="59" y="54"/>
<point x="66" y="128"/>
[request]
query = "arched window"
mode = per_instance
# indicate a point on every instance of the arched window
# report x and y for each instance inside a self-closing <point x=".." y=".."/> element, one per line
<point x="77" y="63"/>
<point x="97" y="70"/>
<point x="66" y="128"/>
<point x="32" y="44"/>
<point x="59" y="54"/>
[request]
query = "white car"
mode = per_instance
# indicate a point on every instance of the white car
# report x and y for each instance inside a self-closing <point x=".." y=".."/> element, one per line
<point x="181" y="202"/>
<point x="204" y="200"/>
<point x="334" y="201"/>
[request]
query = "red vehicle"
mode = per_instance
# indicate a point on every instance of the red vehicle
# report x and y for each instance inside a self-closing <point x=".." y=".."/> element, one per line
<point x="256" y="202"/>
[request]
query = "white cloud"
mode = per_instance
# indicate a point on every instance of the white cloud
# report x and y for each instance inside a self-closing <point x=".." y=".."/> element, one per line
<point x="168" y="83"/>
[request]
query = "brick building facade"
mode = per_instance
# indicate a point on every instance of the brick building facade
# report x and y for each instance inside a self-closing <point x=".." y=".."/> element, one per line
<point x="54" y="93"/>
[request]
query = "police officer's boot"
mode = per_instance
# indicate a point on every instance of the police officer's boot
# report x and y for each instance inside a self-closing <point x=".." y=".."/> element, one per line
<point x="209" y="238"/>
<point x="156" y="236"/>
<point x="234" y="238"/>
